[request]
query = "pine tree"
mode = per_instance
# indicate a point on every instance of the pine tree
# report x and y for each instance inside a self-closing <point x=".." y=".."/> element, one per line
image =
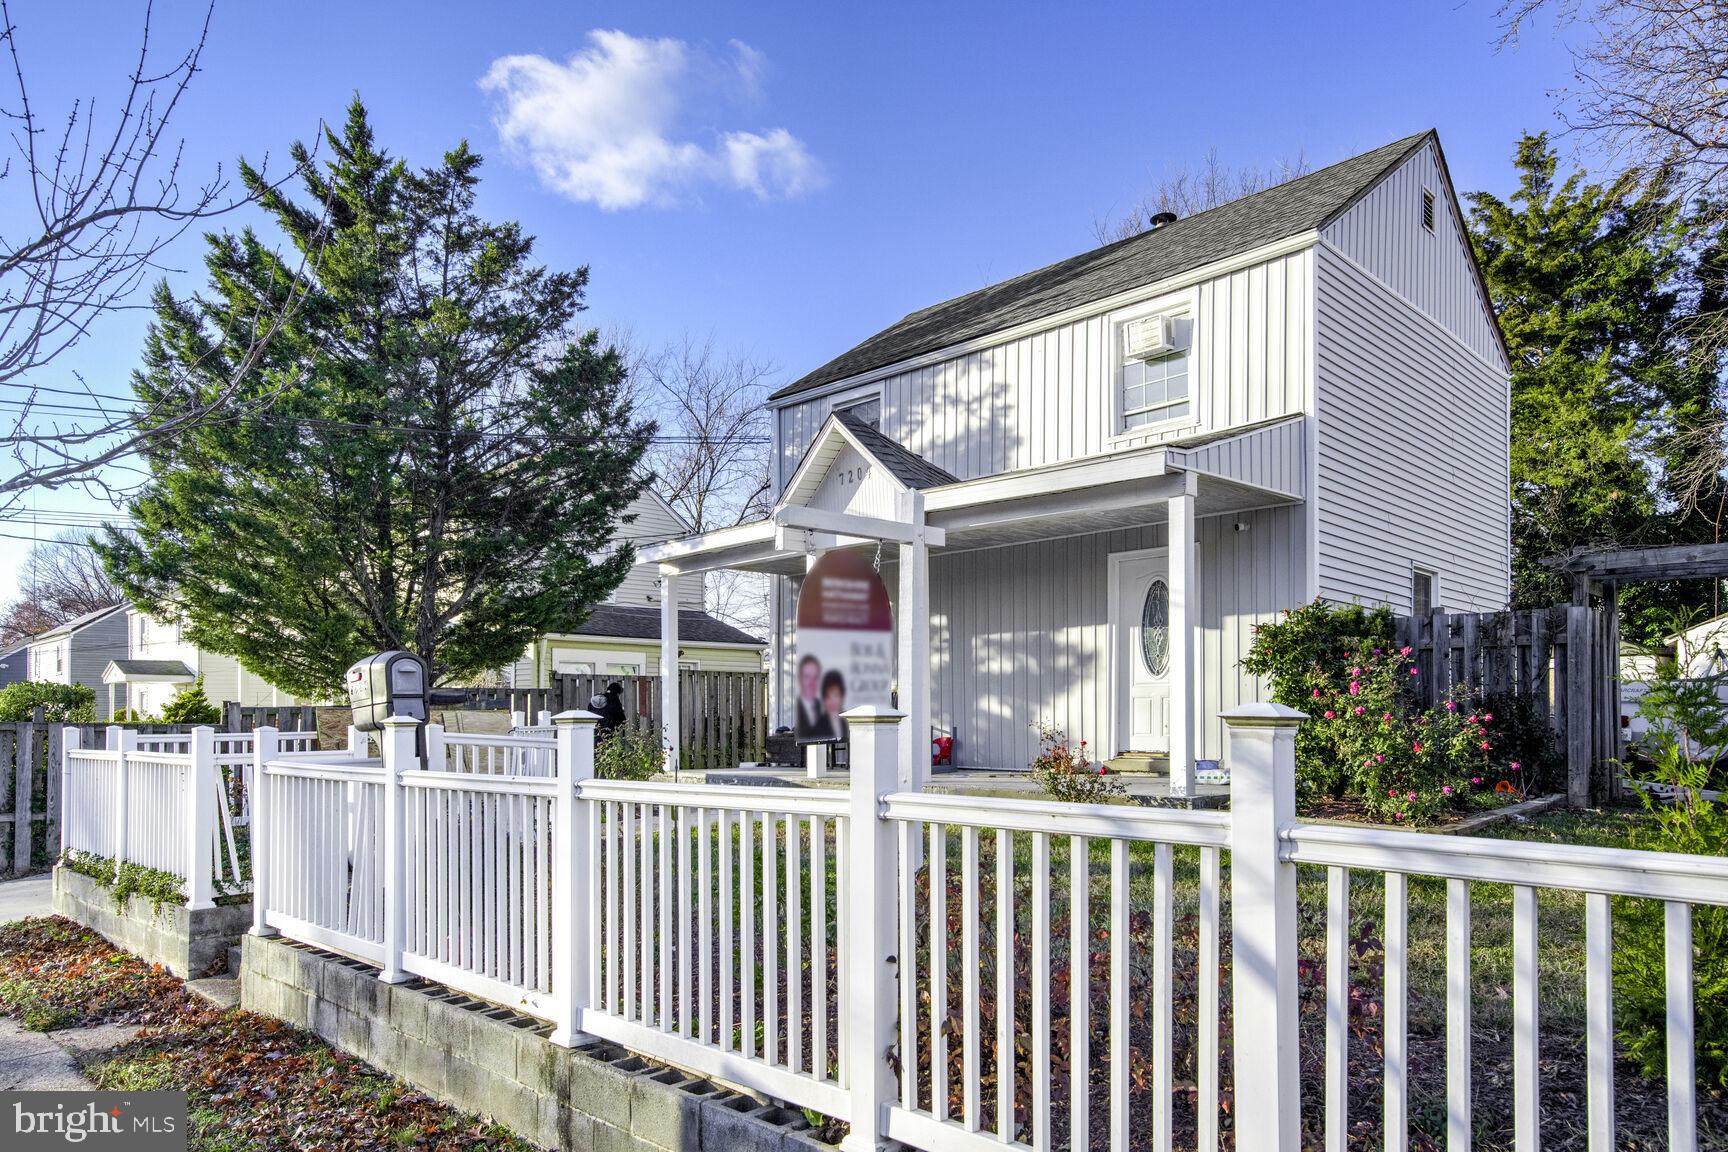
<point x="1584" y="278"/>
<point x="427" y="457"/>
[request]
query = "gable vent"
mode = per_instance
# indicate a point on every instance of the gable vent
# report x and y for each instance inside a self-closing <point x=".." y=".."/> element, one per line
<point x="1427" y="210"/>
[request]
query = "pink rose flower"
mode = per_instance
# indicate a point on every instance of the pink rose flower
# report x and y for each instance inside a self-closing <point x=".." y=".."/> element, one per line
<point x="1475" y="779"/>
<point x="1445" y="789"/>
<point x="1513" y="765"/>
<point x="1413" y="670"/>
<point x="1487" y="717"/>
<point x="1359" y="709"/>
<point x="1404" y="651"/>
<point x="1416" y="747"/>
<point x="1409" y="795"/>
<point x="1315" y="694"/>
<point x="1379" y="757"/>
<point x="1355" y="688"/>
<point x="1451" y="707"/>
<point x="1399" y="816"/>
<point x="1330" y="714"/>
<point x="1484" y="745"/>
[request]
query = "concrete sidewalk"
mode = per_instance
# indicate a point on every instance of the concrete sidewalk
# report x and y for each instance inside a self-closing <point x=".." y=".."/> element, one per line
<point x="31" y="896"/>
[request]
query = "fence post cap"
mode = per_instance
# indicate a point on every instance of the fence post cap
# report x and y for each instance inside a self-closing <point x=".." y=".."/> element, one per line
<point x="1262" y="715"/>
<point x="576" y="716"/>
<point x="399" y="721"/>
<point x="872" y="714"/>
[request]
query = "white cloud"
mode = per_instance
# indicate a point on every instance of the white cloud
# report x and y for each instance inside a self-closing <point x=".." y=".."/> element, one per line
<point x="620" y="123"/>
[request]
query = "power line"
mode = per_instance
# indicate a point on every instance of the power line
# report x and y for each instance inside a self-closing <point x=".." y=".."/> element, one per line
<point x="409" y="429"/>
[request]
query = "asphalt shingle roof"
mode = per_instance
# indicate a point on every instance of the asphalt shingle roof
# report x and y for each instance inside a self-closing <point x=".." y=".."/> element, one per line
<point x="79" y="622"/>
<point x="902" y="463"/>
<point x="152" y="668"/>
<point x="1296" y="206"/>
<point x="629" y="622"/>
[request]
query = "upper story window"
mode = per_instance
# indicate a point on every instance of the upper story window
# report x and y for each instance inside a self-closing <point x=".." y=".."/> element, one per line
<point x="1154" y="370"/>
<point x="869" y="411"/>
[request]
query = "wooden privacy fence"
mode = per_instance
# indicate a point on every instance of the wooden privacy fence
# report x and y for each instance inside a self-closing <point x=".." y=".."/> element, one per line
<point x="1564" y="659"/>
<point x="886" y="957"/>
<point x="283" y="717"/>
<point x="29" y="795"/>
<point x="724" y="715"/>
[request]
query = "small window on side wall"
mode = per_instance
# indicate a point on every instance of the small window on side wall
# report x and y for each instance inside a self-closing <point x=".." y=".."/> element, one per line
<point x="1424" y="591"/>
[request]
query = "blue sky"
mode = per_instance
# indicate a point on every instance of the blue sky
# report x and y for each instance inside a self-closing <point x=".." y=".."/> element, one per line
<point x="789" y="178"/>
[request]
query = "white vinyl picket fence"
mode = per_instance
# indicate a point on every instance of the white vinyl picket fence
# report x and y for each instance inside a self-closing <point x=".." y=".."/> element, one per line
<point x="946" y="971"/>
<point x="173" y="803"/>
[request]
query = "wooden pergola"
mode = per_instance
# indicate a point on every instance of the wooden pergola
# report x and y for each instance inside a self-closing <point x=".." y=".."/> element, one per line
<point x="1601" y="571"/>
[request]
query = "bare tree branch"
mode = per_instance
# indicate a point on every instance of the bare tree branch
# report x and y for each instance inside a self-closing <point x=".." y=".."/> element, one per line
<point x="1186" y="192"/>
<point x="102" y="205"/>
<point x="63" y="579"/>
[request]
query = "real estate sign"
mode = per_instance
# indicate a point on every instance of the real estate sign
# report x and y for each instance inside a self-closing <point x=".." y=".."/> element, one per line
<point x="844" y="643"/>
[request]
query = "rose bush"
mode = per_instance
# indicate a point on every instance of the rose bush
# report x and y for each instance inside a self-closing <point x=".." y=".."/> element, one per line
<point x="1366" y="738"/>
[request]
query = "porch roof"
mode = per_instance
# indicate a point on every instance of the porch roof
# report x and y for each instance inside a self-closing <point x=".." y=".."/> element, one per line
<point x="147" y="672"/>
<point x="1257" y="466"/>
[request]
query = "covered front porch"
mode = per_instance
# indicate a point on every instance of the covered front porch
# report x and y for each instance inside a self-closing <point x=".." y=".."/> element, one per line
<point x="1109" y="597"/>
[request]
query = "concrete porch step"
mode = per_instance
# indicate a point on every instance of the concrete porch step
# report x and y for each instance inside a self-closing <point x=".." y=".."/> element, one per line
<point x="1140" y="763"/>
<point x="222" y="991"/>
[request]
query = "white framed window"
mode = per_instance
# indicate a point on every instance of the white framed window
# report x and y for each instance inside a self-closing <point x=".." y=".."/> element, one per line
<point x="1153" y="389"/>
<point x="1424" y="590"/>
<point x="689" y="666"/>
<point x="866" y="408"/>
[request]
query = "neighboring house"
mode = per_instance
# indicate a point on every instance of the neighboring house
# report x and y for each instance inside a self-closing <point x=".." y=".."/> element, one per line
<point x="78" y="650"/>
<point x="1309" y="382"/>
<point x="15" y="664"/>
<point x="622" y="634"/>
<point x="1700" y="649"/>
<point x="158" y="661"/>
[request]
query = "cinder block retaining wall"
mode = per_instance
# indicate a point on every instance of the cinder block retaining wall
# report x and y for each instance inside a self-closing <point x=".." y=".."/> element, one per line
<point x="492" y="1061"/>
<point x="186" y="943"/>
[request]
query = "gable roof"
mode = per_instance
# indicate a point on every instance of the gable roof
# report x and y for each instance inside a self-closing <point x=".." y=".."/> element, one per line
<point x="1305" y="203"/>
<point x="629" y="622"/>
<point x="902" y="463"/>
<point x="79" y="622"/>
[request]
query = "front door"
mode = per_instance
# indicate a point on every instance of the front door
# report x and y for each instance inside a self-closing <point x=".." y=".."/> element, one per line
<point x="1140" y="618"/>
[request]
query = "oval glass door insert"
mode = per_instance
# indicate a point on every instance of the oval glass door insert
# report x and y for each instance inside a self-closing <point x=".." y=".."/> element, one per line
<point x="1155" y="627"/>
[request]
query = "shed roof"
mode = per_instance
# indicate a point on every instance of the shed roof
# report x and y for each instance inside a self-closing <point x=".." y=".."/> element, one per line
<point x="121" y="671"/>
<point x="1296" y="206"/>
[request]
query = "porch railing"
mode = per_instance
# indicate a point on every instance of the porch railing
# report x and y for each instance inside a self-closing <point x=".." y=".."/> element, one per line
<point x="956" y="972"/>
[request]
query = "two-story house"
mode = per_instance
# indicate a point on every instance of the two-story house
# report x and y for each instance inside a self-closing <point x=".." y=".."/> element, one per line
<point x="78" y="650"/>
<point x="159" y="661"/>
<point x="1088" y="484"/>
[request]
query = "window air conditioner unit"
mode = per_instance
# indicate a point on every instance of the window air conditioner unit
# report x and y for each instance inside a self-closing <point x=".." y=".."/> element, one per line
<point x="1149" y="338"/>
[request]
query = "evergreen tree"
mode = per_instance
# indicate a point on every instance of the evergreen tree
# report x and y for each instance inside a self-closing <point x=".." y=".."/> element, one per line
<point x="1585" y="280"/>
<point x="427" y="456"/>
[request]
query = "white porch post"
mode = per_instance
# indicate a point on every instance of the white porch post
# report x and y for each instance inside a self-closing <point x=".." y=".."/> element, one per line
<point x="671" y="722"/>
<point x="913" y="628"/>
<point x="1183" y="616"/>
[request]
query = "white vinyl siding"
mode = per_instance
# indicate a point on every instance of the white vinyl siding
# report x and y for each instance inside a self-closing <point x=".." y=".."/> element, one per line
<point x="1412" y="451"/>
<point x="1021" y="633"/>
<point x="1049" y="396"/>
<point x="1383" y="233"/>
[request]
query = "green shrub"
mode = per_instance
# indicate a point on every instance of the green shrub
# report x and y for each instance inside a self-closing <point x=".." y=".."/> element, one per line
<point x="189" y="705"/>
<point x="60" y="703"/>
<point x="1688" y="725"/>
<point x="628" y="754"/>
<point x="128" y="880"/>
<point x="1065" y="773"/>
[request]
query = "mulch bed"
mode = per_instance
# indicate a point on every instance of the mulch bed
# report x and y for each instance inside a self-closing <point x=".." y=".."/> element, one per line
<point x="253" y="1083"/>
